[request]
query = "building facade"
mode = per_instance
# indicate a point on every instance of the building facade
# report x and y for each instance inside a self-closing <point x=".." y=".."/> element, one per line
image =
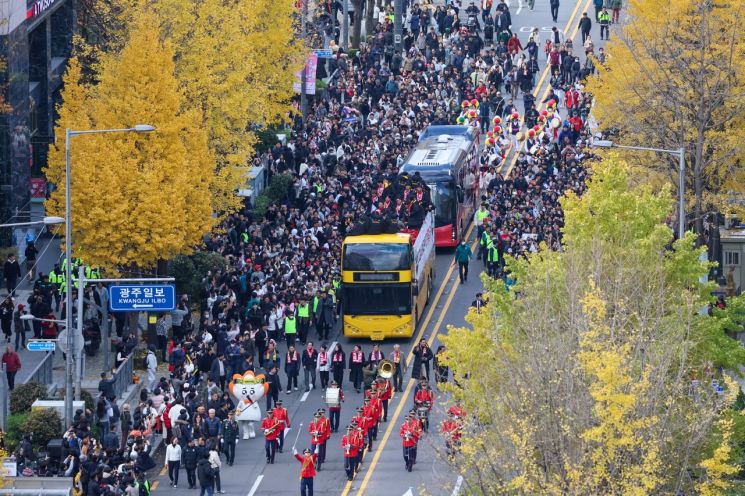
<point x="35" y="43"/>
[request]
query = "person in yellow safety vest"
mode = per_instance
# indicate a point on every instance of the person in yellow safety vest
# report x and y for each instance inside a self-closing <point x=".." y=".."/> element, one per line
<point x="56" y="278"/>
<point x="492" y="257"/>
<point x="314" y="308"/>
<point x="336" y="283"/>
<point x="479" y="219"/>
<point x="484" y="243"/>
<point x="290" y="327"/>
<point x="303" y="319"/>
<point x="91" y="273"/>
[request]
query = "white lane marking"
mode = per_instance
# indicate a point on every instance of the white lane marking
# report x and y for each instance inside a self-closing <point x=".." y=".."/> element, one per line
<point x="458" y="484"/>
<point x="256" y="485"/>
<point x="519" y="8"/>
<point x="287" y="429"/>
<point x="409" y="493"/>
<point x="305" y="396"/>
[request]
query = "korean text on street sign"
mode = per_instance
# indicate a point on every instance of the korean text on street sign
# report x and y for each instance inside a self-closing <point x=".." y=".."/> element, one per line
<point x="41" y="345"/>
<point x="155" y="298"/>
<point x="323" y="53"/>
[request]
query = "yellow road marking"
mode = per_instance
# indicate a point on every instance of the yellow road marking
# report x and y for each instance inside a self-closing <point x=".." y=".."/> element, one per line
<point x="404" y="397"/>
<point x="540" y="82"/>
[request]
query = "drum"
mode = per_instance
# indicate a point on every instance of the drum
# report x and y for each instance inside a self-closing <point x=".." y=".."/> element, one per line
<point x="332" y="397"/>
<point x="555" y="123"/>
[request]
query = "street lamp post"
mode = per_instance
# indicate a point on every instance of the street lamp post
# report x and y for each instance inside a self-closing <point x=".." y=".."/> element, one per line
<point x="680" y="153"/>
<point x="47" y="221"/>
<point x="69" y="134"/>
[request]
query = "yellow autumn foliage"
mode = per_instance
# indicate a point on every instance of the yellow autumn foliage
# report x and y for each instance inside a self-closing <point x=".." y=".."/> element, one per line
<point x="136" y="198"/>
<point x="586" y="376"/>
<point x="675" y="77"/>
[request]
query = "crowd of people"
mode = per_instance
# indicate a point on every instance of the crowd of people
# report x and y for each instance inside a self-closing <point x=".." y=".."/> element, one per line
<point x="279" y="292"/>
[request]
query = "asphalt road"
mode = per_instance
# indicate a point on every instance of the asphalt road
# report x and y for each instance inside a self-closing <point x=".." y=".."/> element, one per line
<point x="382" y="471"/>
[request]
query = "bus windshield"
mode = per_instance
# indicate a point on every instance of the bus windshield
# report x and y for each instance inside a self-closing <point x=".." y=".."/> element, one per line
<point x="376" y="256"/>
<point x="371" y="299"/>
<point x="443" y="198"/>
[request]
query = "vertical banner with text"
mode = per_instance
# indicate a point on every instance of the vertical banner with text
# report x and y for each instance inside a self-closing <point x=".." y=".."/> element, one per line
<point x="310" y="76"/>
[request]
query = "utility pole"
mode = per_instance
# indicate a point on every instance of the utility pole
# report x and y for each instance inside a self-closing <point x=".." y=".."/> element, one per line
<point x="345" y="25"/>
<point x="303" y="83"/>
<point x="79" y="333"/>
<point x="398" y="25"/>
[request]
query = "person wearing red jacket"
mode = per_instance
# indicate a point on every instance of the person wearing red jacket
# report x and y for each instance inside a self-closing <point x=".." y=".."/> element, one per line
<point x="458" y="411"/>
<point x="307" y="470"/>
<point x="513" y="44"/>
<point x="425" y="397"/>
<point x="377" y="410"/>
<point x="12" y="366"/>
<point x="368" y="412"/>
<point x="316" y="431"/>
<point x="362" y="424"/>
<point x="409" y="440"/>
<point x="325" y="435"/>
<point x="271" y="427"/>
<point x="335" y="406"/>
<point x="450" y="429"/>
<point x="280" y="413"/>
<point x="386" y="393"/>
<point x="350" y="448"/>
<point x="358" y="437"/>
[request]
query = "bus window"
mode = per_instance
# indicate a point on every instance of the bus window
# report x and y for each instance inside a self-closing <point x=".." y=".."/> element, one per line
<point x="376" y="256"/>
<point x="370" y="299"/>
<point x="443" y="198"/>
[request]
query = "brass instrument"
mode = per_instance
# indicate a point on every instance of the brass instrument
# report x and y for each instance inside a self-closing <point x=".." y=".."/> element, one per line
<point x="386" y="369"/>
<point x="407" y="436"/>
<point x="347" y="448"/>
<point x="315" y="436"/>
<point x="269" y="431"/>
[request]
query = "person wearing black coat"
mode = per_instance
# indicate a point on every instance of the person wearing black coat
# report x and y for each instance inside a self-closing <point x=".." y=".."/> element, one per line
<point x="190" y="457"/>
<point x="554" y="9"/>
<point x="585" y="25"/>
<point x="338" y="362"/>
<point x="206" y="476"/>
<point x="422" y="356"/>
<point x="275" y="387"/>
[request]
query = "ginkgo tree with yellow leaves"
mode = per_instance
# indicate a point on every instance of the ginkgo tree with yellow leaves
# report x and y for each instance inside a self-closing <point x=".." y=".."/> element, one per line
<point x="136" y="198"/>
<point x="593" y="373"/>
<point x="674" y="77"/>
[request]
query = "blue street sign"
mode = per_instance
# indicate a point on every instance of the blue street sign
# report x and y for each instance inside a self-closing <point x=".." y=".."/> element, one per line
<point x="146" y="297"/>
<point x="41" y="345"/>
<point x="323" y="53"/>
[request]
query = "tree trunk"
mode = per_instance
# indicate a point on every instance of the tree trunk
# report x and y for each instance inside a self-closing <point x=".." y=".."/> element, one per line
<point x="369" y="19"/>
<point x="357" y="25"/>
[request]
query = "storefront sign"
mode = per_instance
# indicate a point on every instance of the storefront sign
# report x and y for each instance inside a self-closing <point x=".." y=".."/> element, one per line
<point x="38" y="7"/>
<point x="38" y="189"/>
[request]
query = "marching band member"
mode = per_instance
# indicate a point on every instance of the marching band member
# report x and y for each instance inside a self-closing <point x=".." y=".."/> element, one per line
<point x="398" y="372"/>
<point x="326" y="434"/>
<point x="409" y="439"/>
<point x="450" y="429"/>
<point x="458" y="409"/>
<point x="362" y="424"/>
<point x="271" y="427"/>
<point x="307" y="470"/>
<point x="280" y="413"/>
<point x="315" y="429"/>
<point x="368" y="412"/>
<point x="358" y="438"/>
<point x="386" y="393"/>
<point x="351" y="450"/>
<point x="334" y="397"/>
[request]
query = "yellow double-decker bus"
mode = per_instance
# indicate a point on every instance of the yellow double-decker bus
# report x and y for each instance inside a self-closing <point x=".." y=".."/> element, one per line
<point x="387" y="281"/>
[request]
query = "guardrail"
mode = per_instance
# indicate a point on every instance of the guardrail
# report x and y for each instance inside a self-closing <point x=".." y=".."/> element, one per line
<point x="122" y="375"/>
<point x="42" y="374"/>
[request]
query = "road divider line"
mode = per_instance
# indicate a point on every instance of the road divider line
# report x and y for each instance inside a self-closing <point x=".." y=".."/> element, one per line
<point x="458" y="484"/>
<point x="256" y="485"/>
<point x="546" y="70"/>
<point x="305" y="396"/>
<point x="404" y="398"/>
<point x="434" y="302"/>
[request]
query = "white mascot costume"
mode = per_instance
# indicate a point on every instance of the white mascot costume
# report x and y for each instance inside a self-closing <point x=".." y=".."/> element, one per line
<point x="248" y="389"/>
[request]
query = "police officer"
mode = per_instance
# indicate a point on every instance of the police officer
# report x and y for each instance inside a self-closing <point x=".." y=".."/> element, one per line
<point x="230" y="431"/>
